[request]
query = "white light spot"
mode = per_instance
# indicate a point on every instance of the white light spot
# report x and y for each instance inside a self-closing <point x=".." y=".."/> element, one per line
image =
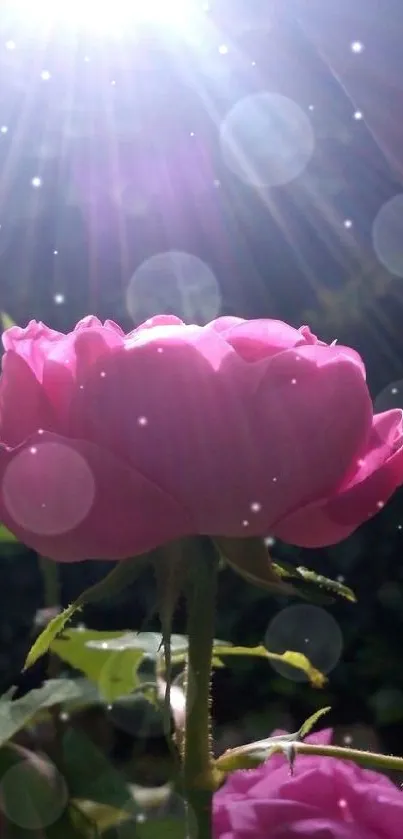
<point x="347" y="739"/>
<point x="102" y="374"/>
<point x="104" y="645"/>
<point x="174" y="281"/>
<point x="360" y="462"/>
<point x="269" y="541"/>
<point x="400" y="526"/>
<point x="256" y="507"/>
<point x="394" y="390"/>
<point x="86" y="59"/>
<point x="305" y="629"/>
<point x="64" y="716"/>
<point x="216" y="183"/>
<point x="358" y="114"/>
<point x="347" y="223"/>
<point x="36" y="182"/>
<point x="340" y="578"/>
<point x="342" y="803"/>
<point x="266" y="140"/>
<point x="293" y="381"/>
<point x="50" y="494"/>
<point x="29" y="805"/>
<point x="387" y="235"/>
<point x="253" y="63"/>
<point x="4" y="129"/>
<point x="223" y="49"/>
<point x="81" y="387"/>
<point x="274" y="480"/>
<point x="311" y="107"/>
<point x="380" y="504"/>
<point x="245" y="523"/>
<point x="55" y="253"/>
<point x="10" y="45"/>
<point x="160" y="349"/>
<point x="192" y="133"/>
<point x="40" y="431"/>
<point x="357" y="47"/>
<point x="59" y="299"/>
<point x="113" y="82"/>
<point x="142" y="421"/>
<point x="45" y="75"/>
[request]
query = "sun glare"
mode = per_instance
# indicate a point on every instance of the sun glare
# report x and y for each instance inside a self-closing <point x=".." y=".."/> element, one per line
<point x="104" y="15"/>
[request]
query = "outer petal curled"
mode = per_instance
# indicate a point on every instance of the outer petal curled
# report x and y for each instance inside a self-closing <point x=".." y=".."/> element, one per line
<point x="378" y="472"/>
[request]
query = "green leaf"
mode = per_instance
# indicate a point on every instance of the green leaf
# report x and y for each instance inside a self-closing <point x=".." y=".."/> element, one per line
<point x="112" y="659"/>
<point x="307" y="726"/>
<point x="312" y="586"/>
<point x="332" y="586"/>
<point x="160" y="828"/>
<point x="5" y="320"/>
<point x="6" y="536"/>
<point x="91" y="777"/>
<point x="51" y="631"/>
<point x="102" y="816"/>
<point x="15" y="715"/>
<point x="294" y="659"/>
<point x="122" y="575"/>
<point x="114" y="670"/>
<point x="169" y="828"/>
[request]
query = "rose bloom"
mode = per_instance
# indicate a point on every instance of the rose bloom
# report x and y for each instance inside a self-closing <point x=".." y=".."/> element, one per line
<point x="325" y="798"/>
<point x="114" y="444"/>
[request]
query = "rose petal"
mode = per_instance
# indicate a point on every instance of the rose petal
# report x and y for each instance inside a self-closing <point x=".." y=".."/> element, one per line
<point x="125" y="515"/>
<point x="242" y="444"/>
<point x="32" y="343"/>
<point x="254" y="340"/>
<point x="257" y="819"/>
<point x="24" y="407"/>
<point x="333" y="520"/>
<point x="324" y="828"/>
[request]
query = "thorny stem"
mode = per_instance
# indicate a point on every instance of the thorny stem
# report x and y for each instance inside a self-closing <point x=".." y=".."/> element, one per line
<point x="197" y="758"/>
<point x="240" y="759"/>
<point x="51" y="587"/>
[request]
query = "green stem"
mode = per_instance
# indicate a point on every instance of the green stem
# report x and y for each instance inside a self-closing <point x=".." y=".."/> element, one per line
<point x="240" y="759"/>
<point x="50" y="579"/>
<point x="197" y="758"/>
<point x="371" y="760"/>
<point x="51" y="588"/>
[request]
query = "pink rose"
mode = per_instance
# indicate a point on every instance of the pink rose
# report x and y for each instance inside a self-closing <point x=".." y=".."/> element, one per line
<point x="113" y="444"/>
<point x="325" y="798"/>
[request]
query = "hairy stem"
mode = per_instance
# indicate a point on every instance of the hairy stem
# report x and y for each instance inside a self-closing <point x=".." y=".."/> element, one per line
<point x="240" y="759"/>
<point x="197" y="759"/>
<point x="370" y="760"/>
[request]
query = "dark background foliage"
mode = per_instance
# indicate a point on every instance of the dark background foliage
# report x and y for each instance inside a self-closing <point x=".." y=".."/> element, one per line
<point x="143" y="114"/>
